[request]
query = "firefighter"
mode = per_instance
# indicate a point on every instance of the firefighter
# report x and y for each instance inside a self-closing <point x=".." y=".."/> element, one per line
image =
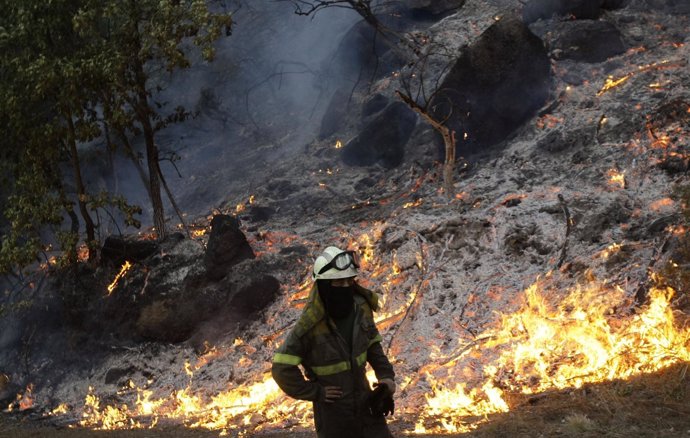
<point x="333" y="340"/>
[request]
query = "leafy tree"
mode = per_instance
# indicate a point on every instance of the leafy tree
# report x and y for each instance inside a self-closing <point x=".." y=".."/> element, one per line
<point x="48" y="72"/>
<point x="67" y="65"/>
<point x="145" y="39"/>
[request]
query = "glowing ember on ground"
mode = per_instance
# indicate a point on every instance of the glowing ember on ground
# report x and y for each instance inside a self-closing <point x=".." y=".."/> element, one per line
<point x="338" y="144"/>
<point x="199" y="232"/>
<point x="23" y="401"/>
<point x="123" y="270"/>
<point x="83" y="253"/>
<point x="612" y="82"/>
<point x="616" y="178"/>
<point x="612" y="249"/>
<point x="416" y="203"/>
<point x="662" y="204"/>
<point x="62" y="408"/>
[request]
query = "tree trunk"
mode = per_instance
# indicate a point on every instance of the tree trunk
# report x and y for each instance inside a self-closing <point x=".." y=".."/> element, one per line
<point x="143" y="111"/>
<point x="449" y="164"/>
<point x="79" y="183"/>
<point x="448" y="141"/>
<point x="154" y="178"/>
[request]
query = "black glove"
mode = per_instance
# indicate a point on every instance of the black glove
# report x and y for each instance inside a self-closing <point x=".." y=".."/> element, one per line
<point x="381" y="401"/>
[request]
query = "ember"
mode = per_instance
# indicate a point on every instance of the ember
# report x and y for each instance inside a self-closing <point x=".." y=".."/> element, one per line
<point x="616" y="178"/>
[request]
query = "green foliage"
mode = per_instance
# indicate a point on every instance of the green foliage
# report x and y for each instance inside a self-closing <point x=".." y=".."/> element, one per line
<point x="68" y="68"/>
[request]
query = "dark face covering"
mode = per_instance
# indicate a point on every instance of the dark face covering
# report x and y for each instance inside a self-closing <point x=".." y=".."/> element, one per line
<point x="338" y="301"/>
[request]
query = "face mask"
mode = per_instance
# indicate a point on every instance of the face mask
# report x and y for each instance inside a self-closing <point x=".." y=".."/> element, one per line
<point x="338" y="301"/>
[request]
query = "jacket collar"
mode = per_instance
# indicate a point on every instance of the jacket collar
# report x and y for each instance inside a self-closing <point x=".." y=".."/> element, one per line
<point x="315" y="311"/>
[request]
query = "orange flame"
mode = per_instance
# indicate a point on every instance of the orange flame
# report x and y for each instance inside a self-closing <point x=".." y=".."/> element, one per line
<point x="544" y="347"/>
<point x="616" y="178"/>
<point x="123" y="270"/>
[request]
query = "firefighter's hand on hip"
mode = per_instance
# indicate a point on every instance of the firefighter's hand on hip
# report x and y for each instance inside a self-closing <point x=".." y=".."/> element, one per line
<point x="332" y="393"/>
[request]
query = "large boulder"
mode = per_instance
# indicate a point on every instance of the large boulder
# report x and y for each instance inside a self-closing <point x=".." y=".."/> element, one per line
<point x="383" y="139"/>
<point x="361" y="56"/>
<point x="250" y="290"/>
<point x="585" y="40"/>
<point x="680" y="7"/>
<point x="580" y="9"/>
<point x="495" y="85"/>
<point x="336" y="113"/>
<point x="117" y="249"/>
<point x="434" y="7"/>
<point x="227" y="246"/>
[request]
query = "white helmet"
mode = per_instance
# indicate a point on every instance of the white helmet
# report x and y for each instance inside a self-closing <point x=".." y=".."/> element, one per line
<point x="334" y="263"/>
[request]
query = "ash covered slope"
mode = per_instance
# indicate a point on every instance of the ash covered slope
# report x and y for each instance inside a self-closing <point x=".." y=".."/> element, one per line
<point x="603" y="155"/>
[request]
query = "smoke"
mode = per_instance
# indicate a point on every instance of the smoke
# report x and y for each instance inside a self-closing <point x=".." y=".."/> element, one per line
<point x="261" y="100"/>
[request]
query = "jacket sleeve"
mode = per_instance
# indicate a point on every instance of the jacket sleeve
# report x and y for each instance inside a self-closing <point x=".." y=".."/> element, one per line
<point x="286" y="372"/>
<point x="378" y="360"/>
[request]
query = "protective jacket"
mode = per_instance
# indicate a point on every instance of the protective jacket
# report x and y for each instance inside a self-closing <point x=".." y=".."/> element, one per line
<point x="315" y="344"/>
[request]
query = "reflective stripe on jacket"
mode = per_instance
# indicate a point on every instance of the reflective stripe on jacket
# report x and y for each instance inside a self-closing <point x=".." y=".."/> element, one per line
<point x="315" y="344"/>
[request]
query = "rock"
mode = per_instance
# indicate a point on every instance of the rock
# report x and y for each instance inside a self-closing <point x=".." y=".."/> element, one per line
<point x="585" y="40"/>
<point x="580" y="9"/>
<point x="362" y="56"/>
<point x="618" y="127"/>
<point x="675" y="164"/>
<point x="376" y="103"/>
<point x="252" y="291"/>
<point x="164" y="321"/>
<point x="281" y="188"/>
<point x="601" y="217"/>
<point x="680" y="7"/>
<point x="382" y="141"/>
<point x="117" y="249"/>
<point x="495" y="85"/>
<point x="614" y="4"/>
<point x="336" y="113"/>
<point x="257" y="213"/>
<point x="559" y="140"/>
<point x="434" y="7"/>
<point x="114" y="376"/>
<point x="227" y="246"/>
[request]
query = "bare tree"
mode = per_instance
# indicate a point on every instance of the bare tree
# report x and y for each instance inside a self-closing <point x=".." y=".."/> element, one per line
<point x="422" y="94"/>
<point x="401" y="44"/>
<point x="425" y="96"/>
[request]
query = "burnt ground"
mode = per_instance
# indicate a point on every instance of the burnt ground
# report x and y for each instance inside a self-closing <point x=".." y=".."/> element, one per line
<point x="653" y="405"/>
<point x="474" y="255"/>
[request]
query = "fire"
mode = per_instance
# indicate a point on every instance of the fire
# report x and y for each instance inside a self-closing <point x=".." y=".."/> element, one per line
<point x="616" y="178"/>
<point x="201" y="232"/>
<point x="612" y="249"/>
<point x="23" y="400"/>
<point x="612" y="82"/>
<point x="545" y="347"/>
<point x="83" y="253"/>
<point x="61" y="409"/>
<point x="554" y="340"/>
<point x="123" y="270"/>
<point x="338" y="144"/>
<point x="416" y="203"/>
<point x="239" y="208"/>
